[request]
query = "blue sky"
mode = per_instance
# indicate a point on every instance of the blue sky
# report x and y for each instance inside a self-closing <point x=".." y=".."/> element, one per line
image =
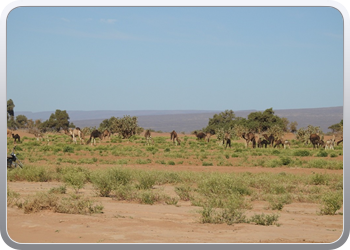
<point x="183" y="58"/>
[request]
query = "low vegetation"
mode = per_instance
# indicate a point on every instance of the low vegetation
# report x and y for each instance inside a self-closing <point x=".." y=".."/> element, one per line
<point x="221" y="197"/>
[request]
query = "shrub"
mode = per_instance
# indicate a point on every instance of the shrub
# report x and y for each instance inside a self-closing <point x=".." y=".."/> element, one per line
<point x="207" y="163"/>
<point x="78" y="205"/>
<point x="183" y="192"/>
<point x="301" y="153"/>
<point x="171" y="163"/>
<point x="146" y="181"/>
<point x="322" y="153"/>
<point x="331" y="202"/>
<point x="286" y="160"/>
<point x="58" y="190"/>
<point x="264" y="219"/>
<point x="68" y="149"/>
<point x="319" y="179"/>
<point x="75" y="180"/>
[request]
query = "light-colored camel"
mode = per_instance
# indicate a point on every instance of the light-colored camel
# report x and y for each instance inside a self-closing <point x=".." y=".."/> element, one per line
<point x="76" y="132"/>
<point x="330" y="143"/>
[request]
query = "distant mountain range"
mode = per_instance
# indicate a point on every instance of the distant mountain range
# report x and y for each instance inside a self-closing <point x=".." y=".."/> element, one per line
<point x="190" y="120"/>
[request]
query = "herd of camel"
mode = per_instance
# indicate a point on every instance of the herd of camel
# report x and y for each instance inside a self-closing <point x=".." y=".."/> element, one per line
<point x="256" y="140"/>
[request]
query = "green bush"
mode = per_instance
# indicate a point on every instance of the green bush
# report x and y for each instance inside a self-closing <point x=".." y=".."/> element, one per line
<point x="207" y="163"/>
<point x="264" y="219"/>
<point x="75" y="179"/>
<point x="301" y="153"/>
<point x="68" y="149"/>
<point x="331" y="202"/>
<point x="322" y="153"/>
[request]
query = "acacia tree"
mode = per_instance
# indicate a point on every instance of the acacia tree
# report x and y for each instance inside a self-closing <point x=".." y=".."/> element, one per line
<point x="293" y="127"/>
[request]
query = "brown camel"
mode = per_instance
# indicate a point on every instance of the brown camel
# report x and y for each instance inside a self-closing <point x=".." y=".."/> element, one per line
<point x="173" y="136"/>
<point x="262" y="143"/>
<point x="270" y="139"/>
<point x="227" y="140"/>
<point x="16" y="137"/>
<point x="106" y="133"/>
<point x="148" y="137"/>
<point x="315" y="140"/>
<point x="94" y="134"/>
<point x="200" y="135"/>
<point x="249" y="137"/>
<point x="338" y="142"/>
<point x="278" y="143"/>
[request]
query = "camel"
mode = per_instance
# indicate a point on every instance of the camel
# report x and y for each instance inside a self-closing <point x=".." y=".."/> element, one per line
<point x="76" y="132"/>
<point x="262" y="143"/>
<point x="227" y="139"/>
<point x="200" y="135"/>
<point x="106" y="133"/>
<point x="270" y="139"/>
<point x="208" y="135"/>
<point x="330" y="143"/>
<point x="315" y="140"/>
<point x="341" y="140"/>
<point x="148" y="137"/>
<point x="278" y="143"/>
<point x="95" y="134"/>
<point x="249" y="137"/>
<point x="173" y="136"/>
<point x="286" y="144"/>
<point x="16" y="137"/>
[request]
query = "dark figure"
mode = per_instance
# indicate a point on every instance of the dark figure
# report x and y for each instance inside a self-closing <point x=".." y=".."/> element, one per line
<point x="270" y="139"/>
<point x="279" y="142"/>
<point x="95" y="134"/>
<point x="262" y="143"/>
<point x="315" y="140"/>
<point x="200" y="135"/>
<point x="227" y="139"/>
<point x="16" y="137"/>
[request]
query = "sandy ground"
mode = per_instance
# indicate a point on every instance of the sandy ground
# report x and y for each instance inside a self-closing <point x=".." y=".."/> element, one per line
<point x="126" y="222"/>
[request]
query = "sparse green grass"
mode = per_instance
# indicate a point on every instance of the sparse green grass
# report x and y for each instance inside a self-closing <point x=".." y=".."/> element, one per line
<point x="223" y="197"/>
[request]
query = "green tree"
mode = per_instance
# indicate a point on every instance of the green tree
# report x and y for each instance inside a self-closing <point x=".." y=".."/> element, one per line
<point x="262" y="121"/>
<point x="58" y="120"/>
<point x="222" y="121"/>
<point x="293" y="127"/>
<point x="21" y="121"/>
<point x="336" y="127"/>
<point x="10" y="107"/>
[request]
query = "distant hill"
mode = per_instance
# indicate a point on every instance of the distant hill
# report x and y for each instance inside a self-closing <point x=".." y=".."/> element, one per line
<point x="189" y="120"/>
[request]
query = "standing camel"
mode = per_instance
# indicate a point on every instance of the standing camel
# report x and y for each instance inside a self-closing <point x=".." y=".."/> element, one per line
<point x="249" y="137"/>
<point x="16" y="137"/>
<point x="76" y="132"/>
<point x="95" y="134"/>
<point x="227" y="139"/>
<point x="106" y="133"/>
<point x="200" y="135"/>
<point x="173" y="136"/>
<point x="148" y="137"/>
<point x="315" y="140"/>
<point x="270" y="139"/>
